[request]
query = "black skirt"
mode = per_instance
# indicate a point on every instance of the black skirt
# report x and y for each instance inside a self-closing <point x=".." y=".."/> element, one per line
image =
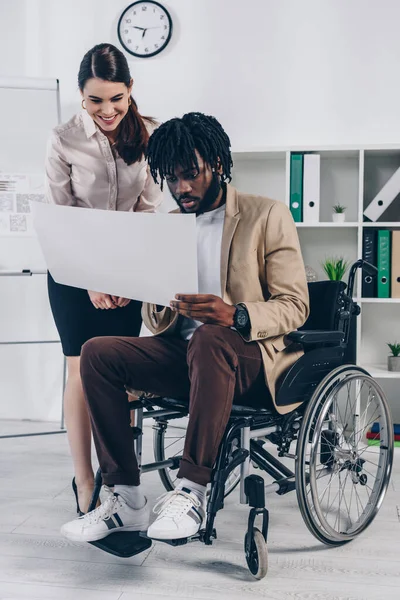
<point x="77" y="320"/>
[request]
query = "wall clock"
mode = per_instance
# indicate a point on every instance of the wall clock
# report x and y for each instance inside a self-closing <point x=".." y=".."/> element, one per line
<point x="145" y="28"/>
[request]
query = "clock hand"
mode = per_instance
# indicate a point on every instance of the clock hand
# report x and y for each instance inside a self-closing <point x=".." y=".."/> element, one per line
<point x="144" y="33"/>
<point x="136" y="27"/>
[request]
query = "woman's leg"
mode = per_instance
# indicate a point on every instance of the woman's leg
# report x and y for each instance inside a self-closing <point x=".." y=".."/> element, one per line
<point x="79" y="432"/>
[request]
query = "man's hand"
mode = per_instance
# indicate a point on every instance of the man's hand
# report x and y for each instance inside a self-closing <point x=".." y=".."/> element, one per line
<point x="205" y="308"/>
<point x="121" y="302"/>
<point x="100" y="300"/>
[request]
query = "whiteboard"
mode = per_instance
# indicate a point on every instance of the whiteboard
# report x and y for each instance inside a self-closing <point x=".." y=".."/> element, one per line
<point x="35" y="111"/>
<point x="30" y="375"/>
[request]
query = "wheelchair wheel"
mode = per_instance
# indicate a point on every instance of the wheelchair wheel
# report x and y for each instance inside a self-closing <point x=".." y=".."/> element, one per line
<point x="257" y="556"/>
<point x="168" y="442"/>
<point x="341" y="474"/>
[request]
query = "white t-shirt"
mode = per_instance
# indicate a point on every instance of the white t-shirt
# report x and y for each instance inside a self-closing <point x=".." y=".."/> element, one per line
<point x="209" y="227"/>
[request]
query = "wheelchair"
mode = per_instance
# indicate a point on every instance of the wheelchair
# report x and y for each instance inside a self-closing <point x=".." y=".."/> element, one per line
<point x="340" y="476"/>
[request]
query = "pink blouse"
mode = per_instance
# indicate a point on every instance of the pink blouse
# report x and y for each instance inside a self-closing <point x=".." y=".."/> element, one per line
<point x="83" y="170"/>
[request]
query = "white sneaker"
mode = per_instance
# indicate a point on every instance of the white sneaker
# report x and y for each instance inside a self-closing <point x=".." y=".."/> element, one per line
<point x="180" y="515"/>
<point x="111" y="516"/>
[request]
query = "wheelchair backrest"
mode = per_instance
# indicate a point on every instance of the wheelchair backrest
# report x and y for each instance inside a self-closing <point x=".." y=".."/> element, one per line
<point x="325" y="302"/>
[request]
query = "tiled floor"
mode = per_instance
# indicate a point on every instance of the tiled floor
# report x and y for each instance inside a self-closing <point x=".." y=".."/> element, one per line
<point x="36" y="562"/>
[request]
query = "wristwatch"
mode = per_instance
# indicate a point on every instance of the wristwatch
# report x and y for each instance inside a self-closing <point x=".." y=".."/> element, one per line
<point x="241" y="319"/>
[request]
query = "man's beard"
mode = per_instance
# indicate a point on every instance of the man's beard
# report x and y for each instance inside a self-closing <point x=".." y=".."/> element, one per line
<point x="209" y="197"/>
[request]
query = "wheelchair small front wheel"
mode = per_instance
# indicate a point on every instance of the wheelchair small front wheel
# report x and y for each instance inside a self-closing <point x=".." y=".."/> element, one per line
<point x="256" y="554"/>
<point x="344" y="455"/>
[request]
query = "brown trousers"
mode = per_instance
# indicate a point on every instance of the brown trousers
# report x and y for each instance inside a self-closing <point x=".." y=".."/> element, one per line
<point x="213" y="369"/>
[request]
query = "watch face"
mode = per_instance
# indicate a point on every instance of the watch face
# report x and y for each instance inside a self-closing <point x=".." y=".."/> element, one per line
<point x="241" y="318"/>
<point x="144" y="28"/>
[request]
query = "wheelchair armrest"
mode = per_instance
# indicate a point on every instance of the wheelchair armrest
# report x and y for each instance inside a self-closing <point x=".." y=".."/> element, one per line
<point x="333" y="338"/>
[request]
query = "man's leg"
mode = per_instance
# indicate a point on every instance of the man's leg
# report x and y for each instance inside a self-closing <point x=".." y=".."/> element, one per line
<point x="108" y="364"/>
<point x="222" y="367"/>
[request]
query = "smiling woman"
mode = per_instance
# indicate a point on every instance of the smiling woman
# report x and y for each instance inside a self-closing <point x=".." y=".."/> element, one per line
<point x="105" y="84"/>
<point x="97" y="160"/>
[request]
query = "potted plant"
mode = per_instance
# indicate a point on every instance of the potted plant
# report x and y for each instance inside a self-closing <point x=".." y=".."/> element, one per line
<point x="394" y="358"/>
<point x="335" y="268"/>
<point x="338" y="215"/>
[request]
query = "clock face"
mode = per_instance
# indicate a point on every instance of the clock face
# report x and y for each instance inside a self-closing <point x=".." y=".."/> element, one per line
<point x="144" y="28"/>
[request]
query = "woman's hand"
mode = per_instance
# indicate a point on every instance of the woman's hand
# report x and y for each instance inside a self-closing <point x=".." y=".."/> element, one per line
<point x="121" y="302"/>
<point x="100" y="300"/>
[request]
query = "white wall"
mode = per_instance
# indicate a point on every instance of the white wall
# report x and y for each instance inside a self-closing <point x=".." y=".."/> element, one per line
<point x="274" y="72"/>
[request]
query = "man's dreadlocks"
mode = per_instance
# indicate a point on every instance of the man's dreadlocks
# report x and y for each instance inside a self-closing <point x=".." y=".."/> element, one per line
<point x="174" y="143"/>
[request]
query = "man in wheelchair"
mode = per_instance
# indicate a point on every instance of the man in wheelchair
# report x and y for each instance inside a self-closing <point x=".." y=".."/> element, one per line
<point x="224" y="344"/>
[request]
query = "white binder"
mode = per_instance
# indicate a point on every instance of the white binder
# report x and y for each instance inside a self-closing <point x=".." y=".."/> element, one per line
<point x="384" y="198"/>
<point x="311" y="188"/>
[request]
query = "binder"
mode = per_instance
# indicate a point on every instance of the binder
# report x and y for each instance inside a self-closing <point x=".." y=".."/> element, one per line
<point x="296" y="187"/>
<point x="395" y="263"/>
<point x="383" y="263"/>
<point x="384" y="198"/>
<point x="311" y="188"/>
<point x="369" y="282"/>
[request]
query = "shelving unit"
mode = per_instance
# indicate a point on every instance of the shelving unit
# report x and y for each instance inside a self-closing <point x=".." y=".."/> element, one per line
<point x="350" y="176"/>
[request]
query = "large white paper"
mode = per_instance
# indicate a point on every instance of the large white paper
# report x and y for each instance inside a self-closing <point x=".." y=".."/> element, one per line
<point x="148" y="257"/>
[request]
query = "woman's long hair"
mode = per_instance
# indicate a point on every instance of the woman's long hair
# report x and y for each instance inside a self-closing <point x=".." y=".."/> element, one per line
<point x="106" y="62"/>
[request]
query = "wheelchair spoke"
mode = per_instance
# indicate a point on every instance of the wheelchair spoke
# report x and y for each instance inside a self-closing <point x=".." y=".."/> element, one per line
<point x="328" y="486"/>
<point x="359" y="500"/>
<point x="351" y="495"/>
<point x="366" y="459"/>
<point x="337" y="519"/>
<point x="371" y="422"/>
<point x="344" y="498"/>
<point x="172" y="443"/>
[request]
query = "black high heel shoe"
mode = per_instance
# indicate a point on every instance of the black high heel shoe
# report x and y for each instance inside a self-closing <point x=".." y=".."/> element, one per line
<point x="75" y="490"/>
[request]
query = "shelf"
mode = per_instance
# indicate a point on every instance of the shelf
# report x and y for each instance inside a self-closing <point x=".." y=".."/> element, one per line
<point x="348" y="224"/>
<point x="380" y="371"/>
<point x="383" y="224"/>
<point x="378" y="300"/>
<point x="247" y="155"/>
<point x="327" y="224"/>
<point x="351" y="175"/>
<point x="371" y="148"/>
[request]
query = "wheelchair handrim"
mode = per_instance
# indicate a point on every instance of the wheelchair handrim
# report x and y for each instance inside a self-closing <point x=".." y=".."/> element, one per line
<point x="313" y="512"/>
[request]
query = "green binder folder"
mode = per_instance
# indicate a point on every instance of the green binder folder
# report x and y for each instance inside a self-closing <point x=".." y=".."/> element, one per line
<point x="383" y="263"/>
<point x="296" y="187"/>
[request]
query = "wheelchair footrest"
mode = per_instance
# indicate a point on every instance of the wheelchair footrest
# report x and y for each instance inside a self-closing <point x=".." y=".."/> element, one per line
<point x="198" y="537"/>
<point x="123" y="543"/>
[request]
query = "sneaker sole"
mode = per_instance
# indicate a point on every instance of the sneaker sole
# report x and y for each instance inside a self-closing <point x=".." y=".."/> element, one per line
<point x="102" y="535"/>
<point x="169" y="535"/>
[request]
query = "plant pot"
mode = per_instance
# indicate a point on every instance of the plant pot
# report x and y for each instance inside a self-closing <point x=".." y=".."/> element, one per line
<point x="393" y="363"/>
<point x="338" y="217"/>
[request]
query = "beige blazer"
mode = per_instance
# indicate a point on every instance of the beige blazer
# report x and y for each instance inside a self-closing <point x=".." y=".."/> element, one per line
<point x="262" y="267"/>
<point x="83" y="170"/>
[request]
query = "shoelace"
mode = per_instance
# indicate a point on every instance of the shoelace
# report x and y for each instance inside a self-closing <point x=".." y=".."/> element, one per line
<point x="176" y="504"/>
<point x="104" y="511"/>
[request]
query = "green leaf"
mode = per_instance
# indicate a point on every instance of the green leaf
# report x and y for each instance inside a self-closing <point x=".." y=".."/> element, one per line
<point x="335" y="268"/>
<point x="339" y="208"/>
<point x="395" y="349"/>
